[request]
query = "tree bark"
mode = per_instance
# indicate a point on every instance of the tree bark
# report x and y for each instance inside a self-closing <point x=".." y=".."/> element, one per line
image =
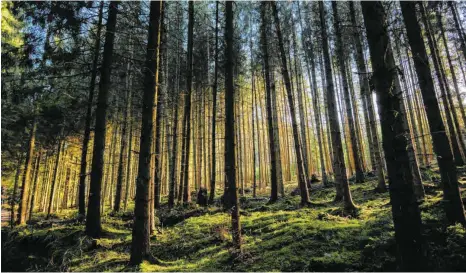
<point x="274" y="140"/>
<point x="93" y="221"/>
<point x="187" y="114"/>
<point x="22" y="210"/>
<point x="341" y="179"/>
<point x="34" y="187"/>
<point x="461" y="36"/>
<point x="453" y="74"/>
<point x="55" y="176"/>
<point x="405" y="210"/>
<point x="299" y="156"/>
<point x="453" y="205"/>
<point x="231" y="195"/>
<point x="346" y="95"/>
<point x="140" y="245"/>
<point x="87" y="128"/>
<point x="15" y="189"/>
<point x="444" y="89"/>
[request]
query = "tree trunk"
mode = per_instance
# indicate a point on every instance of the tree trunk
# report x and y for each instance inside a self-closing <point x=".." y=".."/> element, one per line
<point x="341" y="179"/>
<point x="22" y="210"/>
<point x="367" y="99"/>
<point x="34" y="187"/>
<point x="214" y="110"/>
<point x="299" y="156"/>
<point x="444" y="89"/>
<point x="453" y="74"/>
<point x="346" y="95"/>
<point x="15" y="189"/>
<point x="187" y="114"/>
<point x="406" y="214"/>
<point x="129" y="177"/>
<point x="461" y="36"/>
<point x="161" y="99"/>
<point x="140" y="245"/>
<point x="119" y="185"/>
<point x="87" y="128"/>
<point x="274" y="140"/>
<point x="231" y="196"/>
<point x="453" y="205"/>
<point x="93" y="224"/>
<point x="55" y="176"/>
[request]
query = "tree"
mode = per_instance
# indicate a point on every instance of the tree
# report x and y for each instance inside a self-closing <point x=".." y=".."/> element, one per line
<point x="302" y="179"/>
<point x="93" y="224"/>
<point x="28" y="165"/>
<point x="140" y="244"/>
<point x="455" y="138"/>
<point x="187" y="113"/>
<point x="453" y="205"/>
<point x="405" y="210"/>
<point x="231" y="193"/>
<point x="342" y="186"/>
<point x="87" y="130"/>
<point x="214" y="109"/>
<point x="274" y="144"/>
<point x="367" y="99"/>
<point x="346" y="94"/>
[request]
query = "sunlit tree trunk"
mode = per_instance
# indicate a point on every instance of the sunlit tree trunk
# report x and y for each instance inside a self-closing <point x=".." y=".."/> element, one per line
<point x="455" y="139"/>
<point x="339" y="167"/>
<point x="28" y="164"/>
<point x="346" y="94"/>
<point x="299" y="156"/>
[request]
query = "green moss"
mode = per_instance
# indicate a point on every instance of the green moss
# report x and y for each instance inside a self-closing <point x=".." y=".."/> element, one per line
<point x="276" y="237"/>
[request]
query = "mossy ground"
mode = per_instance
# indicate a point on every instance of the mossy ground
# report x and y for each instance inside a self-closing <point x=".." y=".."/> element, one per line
<point x="276" y="237"/>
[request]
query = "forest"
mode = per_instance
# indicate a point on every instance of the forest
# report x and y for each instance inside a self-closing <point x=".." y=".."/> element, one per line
<point x="233" y="136"/>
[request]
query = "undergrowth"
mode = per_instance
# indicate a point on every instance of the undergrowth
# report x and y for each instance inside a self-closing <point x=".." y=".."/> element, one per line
<point x="281" y="236"/>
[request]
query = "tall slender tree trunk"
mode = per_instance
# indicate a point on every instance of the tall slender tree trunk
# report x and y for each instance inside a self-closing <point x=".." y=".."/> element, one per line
<point x="231" y="196"/>
<point x="55" y="176"/>
<point x="461" y="36"/>
<point x="311" y="71"/>
<point x="161" y="100"/>
<point x="453" y="204"/>
<point x="87" y="128"/>
<point x="22" y="210"/>
<point x="93" y="221"/>
<point x="301" y="98"/>
<point x="444" y="89"/>
<point x="346" y="94"/>
<point x="274" y="144"/>
<point x="339" y="167"/>
<point x="187" y="114"/>
<point x="119" y="185"/>
<point x="367" y="100"/>
<point x="129" y="177"/>
<point x="34" y="187"/>
<point x="15" y="189"/>
<point x="452" y="73"/>
<point x="299" y="156"/>
<point x="406" y="214"/>
<point x="214" y="110"/>
<point x="140" y="244"/>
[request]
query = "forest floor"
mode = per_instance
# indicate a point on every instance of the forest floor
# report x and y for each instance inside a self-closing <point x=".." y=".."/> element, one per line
<point x="276" y="237"/>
